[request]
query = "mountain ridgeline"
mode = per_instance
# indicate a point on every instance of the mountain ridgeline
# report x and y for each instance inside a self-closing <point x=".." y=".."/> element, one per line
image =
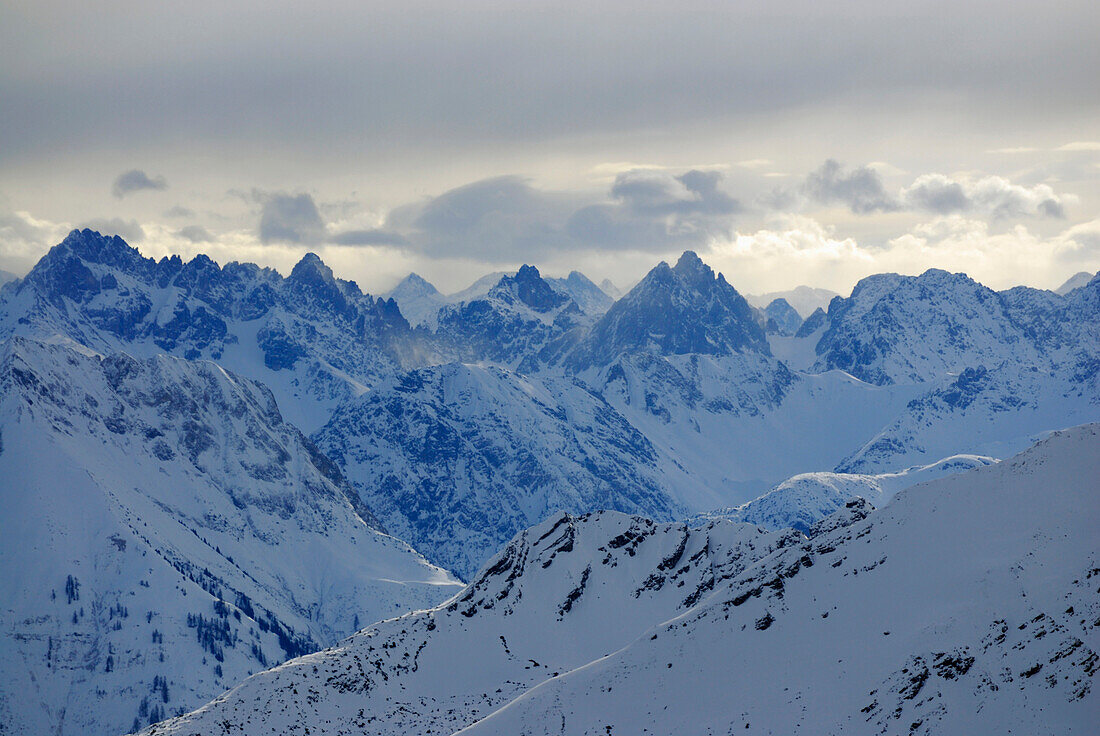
<point x="524" y="395"/>
<point x="209" y="469"/>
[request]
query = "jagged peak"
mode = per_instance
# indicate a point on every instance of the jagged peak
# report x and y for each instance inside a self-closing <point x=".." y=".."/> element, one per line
<point x="691" y="263"/>
<point x="528" y="273"/>
<point x="675" y="311"/>
<point x="779" y="303"/>
<point x="93" y="246"/>
<point x="529" y="287"/>
<point x="311" y="266"/>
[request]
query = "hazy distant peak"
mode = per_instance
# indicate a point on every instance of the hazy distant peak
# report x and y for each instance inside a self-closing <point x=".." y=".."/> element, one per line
<point x="1076" y="281"/>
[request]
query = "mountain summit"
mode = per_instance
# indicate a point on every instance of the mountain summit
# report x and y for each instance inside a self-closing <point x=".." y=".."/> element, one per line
<point x="674" y="310"/>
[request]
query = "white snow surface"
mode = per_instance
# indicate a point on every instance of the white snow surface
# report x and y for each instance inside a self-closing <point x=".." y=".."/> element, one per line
<point x="804" y="499"/>
<point x="965" y="605"/>
<point x="137" y="494"/>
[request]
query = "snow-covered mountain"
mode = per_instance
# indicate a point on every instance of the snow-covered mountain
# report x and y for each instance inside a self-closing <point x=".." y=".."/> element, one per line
<point x="967" y="604"/>
<point x="418" y="300"/>
<point x="609" y="288"/>
<point x="592" y="299"/>
<point x="989" y="412"/>
<point x="165" y="534"/>
<point x="515" y="324"/>
<point x="312" y="338"/>
<point x="805" y="299"/>
<point x="479" y="288"/>
<point x="729" y="410"/>
<point x="685" y="309"/>
<point x="900" y="329"/>
<point x="896" y="329"/>
<point x="1075" y="281"/>
<point x="805" y="499"/>
<point x="781" y="318"/>
<point x="559" y="595"/>
<point x="457" y="459"/>
<point x="7" y="277"/>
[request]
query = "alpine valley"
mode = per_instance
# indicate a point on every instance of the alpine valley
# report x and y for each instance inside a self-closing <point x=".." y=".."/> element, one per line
<point x="252" y="503"/>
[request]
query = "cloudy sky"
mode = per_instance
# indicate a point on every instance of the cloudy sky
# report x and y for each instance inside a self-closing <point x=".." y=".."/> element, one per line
<point x="786" y="142"/>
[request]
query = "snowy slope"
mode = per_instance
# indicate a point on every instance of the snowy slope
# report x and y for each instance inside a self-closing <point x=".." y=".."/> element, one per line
<point x="137" y="495"/>
<point x="608" y="287"/>
<point x="479" y="288"/>
<point x="966" y="605"/>
<point x="986" y="412"/>
<point x="804" y="499"/>
<point x="741" y="423"/>
<point x="457" y="459"/>
<point x="561" y="594"/>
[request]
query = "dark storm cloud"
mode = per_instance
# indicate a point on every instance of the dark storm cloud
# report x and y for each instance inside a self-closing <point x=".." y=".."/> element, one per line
<point x="503" y="218"/>
<point x="1052" y="208"/>
<point x="291" y="218"/>
<point x="136" y="180"/>
<point x="860" y="189"/>
<point x="196" y="234"/>
<point x="128" y="230"/>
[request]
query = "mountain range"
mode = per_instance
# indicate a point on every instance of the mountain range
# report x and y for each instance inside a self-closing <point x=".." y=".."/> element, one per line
<point x="284" y="460"/>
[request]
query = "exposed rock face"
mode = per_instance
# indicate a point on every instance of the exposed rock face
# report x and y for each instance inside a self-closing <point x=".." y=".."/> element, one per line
<point x="457" y="459"/>
<point x="781" y="318"/>
<point x="516" y="324"/>
<point x="677" y="310"/>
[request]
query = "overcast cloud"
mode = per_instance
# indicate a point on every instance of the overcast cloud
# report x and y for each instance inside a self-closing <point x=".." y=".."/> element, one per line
<point x="459" y="139"/>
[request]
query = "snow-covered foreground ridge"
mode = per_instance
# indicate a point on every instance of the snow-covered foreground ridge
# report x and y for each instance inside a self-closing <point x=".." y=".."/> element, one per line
<point x="967" y="604"/>
<point x="165" y="534"/>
